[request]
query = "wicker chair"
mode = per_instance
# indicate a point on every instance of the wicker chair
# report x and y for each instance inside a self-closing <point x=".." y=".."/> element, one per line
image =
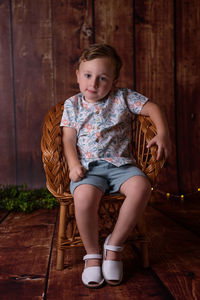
<point x="56" y="170"/>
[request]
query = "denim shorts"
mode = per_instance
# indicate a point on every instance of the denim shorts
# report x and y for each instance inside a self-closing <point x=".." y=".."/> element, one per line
<point x="106" y="176"/>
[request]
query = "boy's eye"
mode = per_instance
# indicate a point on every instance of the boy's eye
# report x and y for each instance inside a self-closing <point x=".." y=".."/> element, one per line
<point x="102" y="78"/>
<point x="87" y="75"/>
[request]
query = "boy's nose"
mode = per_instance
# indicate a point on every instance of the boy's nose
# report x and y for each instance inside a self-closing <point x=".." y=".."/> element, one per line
<point x="94" y="82"/>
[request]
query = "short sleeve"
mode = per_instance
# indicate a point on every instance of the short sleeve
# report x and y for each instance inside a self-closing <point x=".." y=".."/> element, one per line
<point x="135" y="101"/>
<point x="69" y="118"/>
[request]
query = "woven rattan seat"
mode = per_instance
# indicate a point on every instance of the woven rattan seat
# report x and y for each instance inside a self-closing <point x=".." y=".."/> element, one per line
<point x="57" y="181"/>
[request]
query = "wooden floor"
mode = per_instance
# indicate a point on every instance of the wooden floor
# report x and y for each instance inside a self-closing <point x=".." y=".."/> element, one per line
<point x="28" y="258"/>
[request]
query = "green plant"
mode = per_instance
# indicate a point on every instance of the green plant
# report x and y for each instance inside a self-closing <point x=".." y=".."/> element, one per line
<point x="19" y="198"/>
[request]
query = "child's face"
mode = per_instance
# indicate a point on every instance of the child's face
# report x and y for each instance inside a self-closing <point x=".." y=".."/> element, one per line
<point x="95" y="78"/>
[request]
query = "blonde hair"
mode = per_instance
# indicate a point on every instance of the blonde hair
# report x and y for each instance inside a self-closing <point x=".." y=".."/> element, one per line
<point x="102" y="50"/>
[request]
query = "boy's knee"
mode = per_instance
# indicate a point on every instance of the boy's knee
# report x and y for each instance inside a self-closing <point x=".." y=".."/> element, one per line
<point x="139" y="184"/>
<point x="80" y="199"/>
<point x="85" y="199"/>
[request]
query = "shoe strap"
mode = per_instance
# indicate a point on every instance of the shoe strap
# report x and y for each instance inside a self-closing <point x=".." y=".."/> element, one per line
<point x="92" y="256"/>
<point x="114" y="248"/>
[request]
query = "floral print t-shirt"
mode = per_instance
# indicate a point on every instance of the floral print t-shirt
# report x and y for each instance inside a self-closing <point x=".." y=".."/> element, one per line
<point x="104" y="129"/>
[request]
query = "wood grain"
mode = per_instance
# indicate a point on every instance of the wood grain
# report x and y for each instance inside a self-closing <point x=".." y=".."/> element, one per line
<point x="25" y="243"/>
<point x="7" y="111"/>
<point x="184" y="212"/>
<point x="72" y="32"/>
<point x="3" y="215"/>
<point x="114" y="26"/>
<point x="68" y="282"/>
<point x="188" y="93"/>
<point x="154" y="57"/>
<point x="175" y="256"/>
<point x="159" y="43"/>
<point x="33" y="84"/>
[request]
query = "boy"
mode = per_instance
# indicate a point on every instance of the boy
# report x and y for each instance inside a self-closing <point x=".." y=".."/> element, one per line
<point x="97" y="137"/>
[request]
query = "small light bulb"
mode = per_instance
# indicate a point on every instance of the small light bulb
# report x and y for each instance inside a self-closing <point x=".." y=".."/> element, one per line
<point x="168" y="195"/>
<point x="182" y="197"/>
<point x="152" y="188"/>
<point x="198" y="189"/>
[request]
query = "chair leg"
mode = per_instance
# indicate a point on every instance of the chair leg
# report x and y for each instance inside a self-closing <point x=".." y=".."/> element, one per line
<point x="61" y="237"/>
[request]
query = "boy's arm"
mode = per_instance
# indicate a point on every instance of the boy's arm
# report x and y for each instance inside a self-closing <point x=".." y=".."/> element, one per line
<point x="76" y="170"/>
<point x="162" y="139"/>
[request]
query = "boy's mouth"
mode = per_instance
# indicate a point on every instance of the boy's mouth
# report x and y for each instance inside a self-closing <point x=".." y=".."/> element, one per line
<point x="92" y="91"/>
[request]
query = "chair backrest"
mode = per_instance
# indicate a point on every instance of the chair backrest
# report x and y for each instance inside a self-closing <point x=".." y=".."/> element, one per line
<point x="54" y="162"/>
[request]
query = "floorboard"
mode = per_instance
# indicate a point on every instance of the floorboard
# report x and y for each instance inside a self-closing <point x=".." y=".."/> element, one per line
<point x="3" y="215"/>
<point x="184" y="212"/>
<point x="67" y="284"/>
<point x="175" y="255"/>
<point x="28" y="258"/>
<point x="25" y="241"/>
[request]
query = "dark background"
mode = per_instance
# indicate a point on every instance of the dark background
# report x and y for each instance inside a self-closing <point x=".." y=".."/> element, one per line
<point x="40" y="42"/>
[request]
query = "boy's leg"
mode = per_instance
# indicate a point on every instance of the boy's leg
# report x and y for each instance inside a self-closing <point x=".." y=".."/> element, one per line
<point x="86" y="201"/>
<point x="137" y="190"/>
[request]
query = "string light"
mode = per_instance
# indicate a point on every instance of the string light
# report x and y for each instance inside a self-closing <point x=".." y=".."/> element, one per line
<point x="181" y="196"/>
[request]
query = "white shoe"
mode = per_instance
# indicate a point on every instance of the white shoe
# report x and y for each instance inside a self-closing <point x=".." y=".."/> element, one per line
<point x="112" y="269"/>
<point x="92" y="276"/>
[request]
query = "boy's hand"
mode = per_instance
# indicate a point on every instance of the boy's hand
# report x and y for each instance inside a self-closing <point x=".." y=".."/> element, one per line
<point x="164" y="145"/>
<point x="77" y="173"/>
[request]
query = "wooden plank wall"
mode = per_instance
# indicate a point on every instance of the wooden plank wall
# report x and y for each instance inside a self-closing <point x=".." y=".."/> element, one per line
<point x="40" y="42"/>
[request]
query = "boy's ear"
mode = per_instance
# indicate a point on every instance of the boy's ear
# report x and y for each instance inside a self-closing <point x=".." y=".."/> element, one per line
<point x="77" y="75"/>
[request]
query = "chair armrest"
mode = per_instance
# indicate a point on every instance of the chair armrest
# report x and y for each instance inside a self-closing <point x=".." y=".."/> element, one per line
<point x="146" y="157"/>
<point x="55" y="166"/>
